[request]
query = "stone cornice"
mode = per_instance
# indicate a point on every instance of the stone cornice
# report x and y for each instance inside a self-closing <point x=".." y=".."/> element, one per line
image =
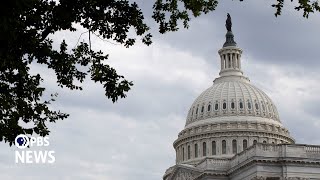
<point x="235" y="129"/>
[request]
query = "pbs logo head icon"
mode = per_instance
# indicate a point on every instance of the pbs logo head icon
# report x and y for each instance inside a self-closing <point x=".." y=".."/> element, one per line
<point x="22" y="141"/>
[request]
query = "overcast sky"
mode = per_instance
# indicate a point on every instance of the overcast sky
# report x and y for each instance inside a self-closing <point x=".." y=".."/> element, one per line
<point x="133" y="138"/>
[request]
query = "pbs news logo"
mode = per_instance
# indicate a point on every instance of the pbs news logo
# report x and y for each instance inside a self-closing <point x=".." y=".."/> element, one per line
<point x="25" y="155"/>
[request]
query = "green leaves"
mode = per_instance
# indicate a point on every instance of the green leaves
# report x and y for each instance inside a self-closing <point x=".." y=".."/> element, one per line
<point x="167" y="14"/>
<point x="25" y="26"/>
<point x="306" y="6"/>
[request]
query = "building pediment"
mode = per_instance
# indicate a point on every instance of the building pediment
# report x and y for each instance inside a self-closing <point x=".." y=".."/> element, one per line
<point x="181" y="172"/>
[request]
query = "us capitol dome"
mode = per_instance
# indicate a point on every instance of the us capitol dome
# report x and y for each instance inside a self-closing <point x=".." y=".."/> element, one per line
<point x="229" y="121"/>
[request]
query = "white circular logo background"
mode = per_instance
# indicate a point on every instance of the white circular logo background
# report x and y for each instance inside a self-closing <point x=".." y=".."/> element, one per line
<point x="21" y="141"/>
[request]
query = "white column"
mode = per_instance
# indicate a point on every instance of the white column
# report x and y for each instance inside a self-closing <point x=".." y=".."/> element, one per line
<point x="239" y="61"/>
<point x="234" y="60"/>
<point x="227" y="61"/>
<point x="221" y="57"/>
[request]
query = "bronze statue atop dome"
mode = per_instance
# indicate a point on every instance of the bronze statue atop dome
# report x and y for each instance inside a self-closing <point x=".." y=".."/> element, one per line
<point x="228" y="22"/>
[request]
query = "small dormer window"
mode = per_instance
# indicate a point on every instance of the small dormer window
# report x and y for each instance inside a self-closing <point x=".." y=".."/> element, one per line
<point x="257" y="106"/>
<point x="232" y="105"/>
<point x="209" y="107"/>
<point x="241" y="105"/>
<point x="263" y="108"/>
<point x="197" y="111"/>
<point x="249" y="105"/>
<point x="202" y="109"/>
<point x="216" y="106"/>
<point x="224" y="106"/>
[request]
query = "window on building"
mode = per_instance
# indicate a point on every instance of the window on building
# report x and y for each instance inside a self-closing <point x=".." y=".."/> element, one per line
<point x="224" y="147"/>
<point x="216" y="106"/>
<point x="241" y="105"/>
<point x="204" y="149"/>
<point x="249" y="105"/>
<point x="245" y="144"/>
<point x="264" y="142"/>
<point x="224" y="106"/>
<point x="202" y="109"/>
<point x="196" y="150"/>
<point x="263" y="108"/>
<point x="232" y="105"/>
<point x="254" y="141"/>
<point x="257" y="106"/>
<point x="209" y="107"/>
<point x="214" y="148"/>
<point x="234" y="146"/>
<point x="196" y="111"/>
<point x="182" y="154"/>
<point x="189" y="152"/>
<point x="192" y="112"/>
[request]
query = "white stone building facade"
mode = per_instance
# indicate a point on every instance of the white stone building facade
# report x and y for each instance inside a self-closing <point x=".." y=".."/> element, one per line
<point x="233" y="132"/>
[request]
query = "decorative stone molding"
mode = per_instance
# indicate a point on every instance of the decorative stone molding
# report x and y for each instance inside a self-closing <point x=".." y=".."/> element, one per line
<point x="183" y="175"/>
<point x="258" y="126"/>
<point x="258" y="178"/>
<point x="203" y="135"/>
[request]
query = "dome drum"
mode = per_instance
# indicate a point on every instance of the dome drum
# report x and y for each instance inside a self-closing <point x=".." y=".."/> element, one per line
<point x="222" y="145"/>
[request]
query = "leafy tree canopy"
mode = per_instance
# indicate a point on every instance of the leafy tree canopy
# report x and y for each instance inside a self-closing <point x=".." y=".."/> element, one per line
<point x="25" y="26"/>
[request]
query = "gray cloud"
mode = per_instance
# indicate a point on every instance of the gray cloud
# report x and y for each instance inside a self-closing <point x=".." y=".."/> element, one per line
<point x="133" y="138"/>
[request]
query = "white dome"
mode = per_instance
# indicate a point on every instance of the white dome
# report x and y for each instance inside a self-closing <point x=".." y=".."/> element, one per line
<point x="231" y="98"/>
<point x="229" y="116"/>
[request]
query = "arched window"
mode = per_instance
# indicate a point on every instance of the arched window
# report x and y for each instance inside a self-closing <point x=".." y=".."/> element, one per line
<point x="189" y="153"/>
<point x="272" y="142"/>
<point x="216" y="106"/>
<point x="241" y="105"/>
<point x="254" y="141"/>
<point x="224" y="147"/>
<point x="245" y="144"/>
<point x="182" y="154"/>
<point x="257" y="106"/>
<point x="202" y="109"/>
<point x="234" y="146"/>
<point x="214" y="148"/>
<point x="224" y="106"/>
<point x="263" y="108"/>
<point x="232" y="105"/>
<point x="270" y="108"/>
<point x="249" y="105"/>
<point x="196" y="111"/>
<point x="196" y="150"/>
<point x="209" y="107"/>
<point x="204" y="149"/>
<point x="264" y="142"/>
